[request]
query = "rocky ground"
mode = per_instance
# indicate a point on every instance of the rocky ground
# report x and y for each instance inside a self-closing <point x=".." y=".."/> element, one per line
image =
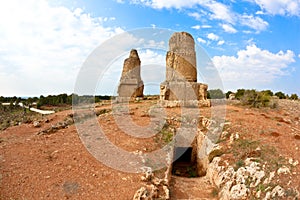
<point x="257" y="157"/>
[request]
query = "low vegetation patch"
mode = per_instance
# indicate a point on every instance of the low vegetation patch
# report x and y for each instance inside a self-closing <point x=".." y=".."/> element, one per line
<point x="165" y="135"/>
<point x="13" y="115"/>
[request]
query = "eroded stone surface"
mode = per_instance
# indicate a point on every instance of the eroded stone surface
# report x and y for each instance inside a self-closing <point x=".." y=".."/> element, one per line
<point x="131" y="85"/>
<point x="180" y="87"/>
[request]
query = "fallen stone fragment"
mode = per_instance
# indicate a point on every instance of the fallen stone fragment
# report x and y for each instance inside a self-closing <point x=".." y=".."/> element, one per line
<point x="36" y="124"/>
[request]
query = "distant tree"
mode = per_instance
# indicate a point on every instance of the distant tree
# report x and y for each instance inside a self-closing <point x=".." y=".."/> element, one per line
<point x="280" y="95"/>
<point x="29" y="101"/>
<point x="294" y="96"/>
<point x="14" y="99"/>
<point x="35" y="99"/>
<point x="216" y="94"/>
<point x="75" y="98"/>
<point x="228" y="93"/>
<point x="239" y="94"/>
<point x="268" y="92"/>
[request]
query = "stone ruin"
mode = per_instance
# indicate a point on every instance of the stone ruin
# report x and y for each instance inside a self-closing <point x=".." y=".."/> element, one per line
<point x="180" y="87"/>
<point x="131" y="85"/>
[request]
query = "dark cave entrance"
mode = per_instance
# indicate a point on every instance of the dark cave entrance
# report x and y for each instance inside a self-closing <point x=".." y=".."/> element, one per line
<point x="184" y="162"/>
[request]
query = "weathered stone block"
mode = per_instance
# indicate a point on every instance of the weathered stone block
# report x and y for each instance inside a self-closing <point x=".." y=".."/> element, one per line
<point x="131" y="85"/>
<point x="181" y="85"/>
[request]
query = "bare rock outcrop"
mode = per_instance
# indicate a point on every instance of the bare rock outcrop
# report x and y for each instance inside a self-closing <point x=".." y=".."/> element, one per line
<point x="250" y="180"/>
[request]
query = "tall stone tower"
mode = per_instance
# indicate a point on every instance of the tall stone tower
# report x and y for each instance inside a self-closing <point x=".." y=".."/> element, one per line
<point x="131" y="84"/>
<point x="180" y="87"/>
<point x="181" y="58"/>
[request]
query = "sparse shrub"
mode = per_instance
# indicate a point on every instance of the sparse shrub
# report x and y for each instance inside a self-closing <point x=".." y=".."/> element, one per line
<point x="255" y="98"/>
<point x="294" y="97"/>
<point x="215" y="94"/>
<point x="280" y="95"/>
<point x="239" y="94"/>
<point x="268" y="92"/>
<point x="165" y="135"/>
<point x="239" y="164"/>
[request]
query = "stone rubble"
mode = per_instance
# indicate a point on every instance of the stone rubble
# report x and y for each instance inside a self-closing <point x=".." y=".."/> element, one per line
<point x="155" y="188"/>
<point x="283" y="170"/>
<point x="60" y="125"/>
<point x="36" y="124"/>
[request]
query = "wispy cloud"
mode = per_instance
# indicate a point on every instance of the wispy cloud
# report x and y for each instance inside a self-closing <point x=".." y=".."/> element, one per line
<point x="216" y="11"/>
<point x="253" y="22"/>
<point x="228" y="28"/>
<point x="201" y="40"/>
<point x="279" y="7"/>
<point x="220" y="11"/>
<point x="195" y="15"/>
<point x="197" y="27"/>
<point x="221" y="42"/>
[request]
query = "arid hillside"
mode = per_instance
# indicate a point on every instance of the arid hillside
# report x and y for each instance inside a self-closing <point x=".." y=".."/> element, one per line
<point x="45" y="158"/>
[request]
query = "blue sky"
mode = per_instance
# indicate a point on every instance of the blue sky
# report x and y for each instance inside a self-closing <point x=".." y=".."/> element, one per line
<point x="43" y="44"/>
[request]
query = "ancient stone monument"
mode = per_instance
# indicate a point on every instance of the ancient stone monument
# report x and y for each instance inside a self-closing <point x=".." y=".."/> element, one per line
<point x="131" y="85"/>
<point x="180" y="87"/>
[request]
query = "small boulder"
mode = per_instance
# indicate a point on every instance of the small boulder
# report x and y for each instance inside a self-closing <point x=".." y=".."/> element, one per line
<point x="36" y="124"/>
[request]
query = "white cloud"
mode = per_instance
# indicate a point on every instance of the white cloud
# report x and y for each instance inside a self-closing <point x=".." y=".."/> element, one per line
<point x="213" y="37"/>
<point x="206" y="26"/>
<point x="220" y="11"/>
<point x="151" y="61"/>
<point x="247" y="32"/>
<point x="255" y="23"/>
<point x="217" y="10"/>
<point x="214" y="10"/>
<point x="299" y="55"/>
<point x="221" y="42"/>
<point x="280" y="7"/>
<point x="196" y="15"/>
<point x="228" y="28"/>
<point x="45" y="46"/>
<point x="153" y="25"/>
<point x="201" y="40"/>
<point x="252" y="67"/>
<point x="159" y="4"/>
<point x="259" y="12"/>
<point x="152" y="72"/>
<point x="197" y="27"/>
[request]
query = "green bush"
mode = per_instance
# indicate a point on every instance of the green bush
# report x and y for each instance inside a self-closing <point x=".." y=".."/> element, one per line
<point x="280" y="95"/>
<point x="240" y="93"/>
<point x="215" y="94"/>
<point x="255" y="98"/>
<point x="294" y="96"/>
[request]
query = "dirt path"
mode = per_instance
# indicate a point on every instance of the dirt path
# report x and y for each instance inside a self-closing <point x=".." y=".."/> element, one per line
<point x="192" y="188"/>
